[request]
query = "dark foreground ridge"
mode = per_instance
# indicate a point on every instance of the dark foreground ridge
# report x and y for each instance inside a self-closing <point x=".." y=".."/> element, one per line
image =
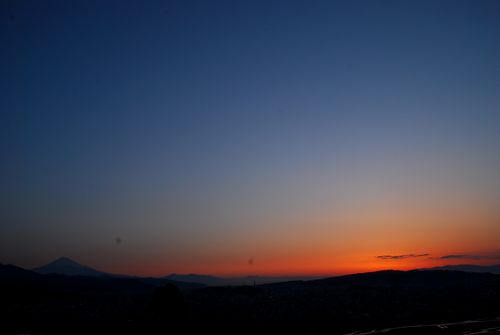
<point x="391" y="300"/>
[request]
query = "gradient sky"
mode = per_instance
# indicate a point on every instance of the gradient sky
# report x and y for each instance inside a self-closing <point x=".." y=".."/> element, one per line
<point x="309" y="136"/>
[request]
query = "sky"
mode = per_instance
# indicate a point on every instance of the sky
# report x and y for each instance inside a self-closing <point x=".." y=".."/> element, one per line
<point x="250" y="137"/>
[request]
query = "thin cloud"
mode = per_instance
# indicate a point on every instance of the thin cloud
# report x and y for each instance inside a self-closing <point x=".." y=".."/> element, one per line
<point x="405" y="256"/>
<point x="465" y="256"/>
<point x="460" y="257"/>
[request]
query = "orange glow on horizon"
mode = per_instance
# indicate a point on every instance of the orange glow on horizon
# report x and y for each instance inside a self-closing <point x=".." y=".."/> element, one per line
<point x="327" y="245"/>
<point x="317" y="267"/>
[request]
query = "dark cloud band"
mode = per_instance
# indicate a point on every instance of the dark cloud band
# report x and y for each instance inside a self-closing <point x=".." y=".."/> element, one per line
<point x="405" y="256"/>
<point x="465" y="256"/>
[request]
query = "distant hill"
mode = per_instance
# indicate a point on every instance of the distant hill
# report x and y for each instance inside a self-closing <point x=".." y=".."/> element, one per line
<point x="67" y="266"/>
<point x="198" y="279"/>
<point x="230" y="281"/>
<point x="162" y="281"/>
<point x="470" y="268"/>
<point x="17" y="284"/>
<point x="12" y="272"/>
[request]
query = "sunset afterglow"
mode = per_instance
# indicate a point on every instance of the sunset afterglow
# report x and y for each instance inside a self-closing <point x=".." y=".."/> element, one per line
<point x="281" y="138"/>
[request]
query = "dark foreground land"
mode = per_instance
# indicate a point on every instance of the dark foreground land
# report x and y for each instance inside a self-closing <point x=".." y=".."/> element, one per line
<point x="389" y="302"/>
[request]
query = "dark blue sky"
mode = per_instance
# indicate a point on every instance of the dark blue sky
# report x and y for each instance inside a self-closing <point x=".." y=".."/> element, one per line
<point x="196" y="130"/>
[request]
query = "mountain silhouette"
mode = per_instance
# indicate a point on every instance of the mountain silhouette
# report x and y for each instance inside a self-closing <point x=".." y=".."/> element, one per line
<point x="69" y="267"/>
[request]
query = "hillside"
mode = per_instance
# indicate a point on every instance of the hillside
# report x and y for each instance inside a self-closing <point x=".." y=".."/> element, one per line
<point x="341" y="304"/>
